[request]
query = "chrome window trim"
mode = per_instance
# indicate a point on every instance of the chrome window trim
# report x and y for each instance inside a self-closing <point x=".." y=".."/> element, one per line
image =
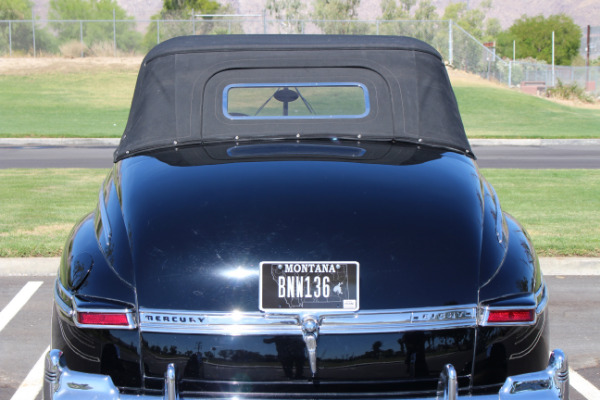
<point x="225" y="97"/>
<point x="259" y="323"/>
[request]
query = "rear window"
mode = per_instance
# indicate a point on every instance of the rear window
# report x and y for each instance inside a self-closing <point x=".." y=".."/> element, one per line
<point x="309" y="100"/>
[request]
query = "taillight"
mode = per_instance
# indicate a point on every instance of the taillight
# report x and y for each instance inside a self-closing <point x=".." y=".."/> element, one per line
<point x="100" y="318"/>
<point x="510" y="316"/>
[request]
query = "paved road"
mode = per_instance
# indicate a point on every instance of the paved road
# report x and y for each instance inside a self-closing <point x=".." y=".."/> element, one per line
<point x="24" y="338"/>
<point x="498" y="156"/>
<point x="538" y="157"/>
<point x="56" y="157"/>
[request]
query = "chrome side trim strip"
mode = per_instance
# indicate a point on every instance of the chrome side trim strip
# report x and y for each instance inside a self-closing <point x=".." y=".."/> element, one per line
<point x="106" y="228"/>
<point x="63" y="307"/>
<point x="258" y="323"/>
<point x="541" y="298"/>
<point x="499" y="215"/>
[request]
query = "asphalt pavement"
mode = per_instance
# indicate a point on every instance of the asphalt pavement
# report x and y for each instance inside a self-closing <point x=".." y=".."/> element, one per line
<point x="25" y="304"/>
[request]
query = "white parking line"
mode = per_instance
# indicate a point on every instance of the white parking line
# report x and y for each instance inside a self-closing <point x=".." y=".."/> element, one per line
<point x="18" y="302"/>
<point x="32" y="385"/>
<point x="583" y="386"/>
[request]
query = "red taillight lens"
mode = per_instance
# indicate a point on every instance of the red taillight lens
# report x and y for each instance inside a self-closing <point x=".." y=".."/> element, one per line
<point x="508" y="316"/>
<point x="94" y="318"/>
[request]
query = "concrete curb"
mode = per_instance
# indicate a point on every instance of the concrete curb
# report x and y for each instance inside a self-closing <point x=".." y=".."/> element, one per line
<point x="534" y="142"/>
<point x="114" y="142"/>
<point x="551" y="266"/>
<point x="568" y="266"/>
<point x="59" y="142"/>
<point x="31" y="266"/>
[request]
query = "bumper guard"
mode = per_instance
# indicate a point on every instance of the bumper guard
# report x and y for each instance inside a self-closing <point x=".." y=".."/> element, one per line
<point x="61" y="383"/>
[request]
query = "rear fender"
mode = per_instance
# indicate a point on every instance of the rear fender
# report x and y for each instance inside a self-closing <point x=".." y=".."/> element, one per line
<point x="87" y="282"/>
<point x="517" y="348"/>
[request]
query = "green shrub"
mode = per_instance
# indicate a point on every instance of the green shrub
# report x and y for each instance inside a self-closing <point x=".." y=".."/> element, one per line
<point x="571" y="91"/>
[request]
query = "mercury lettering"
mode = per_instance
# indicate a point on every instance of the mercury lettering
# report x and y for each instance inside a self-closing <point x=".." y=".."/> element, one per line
<point x="442" y="316"/>
<point x="176" y="319"/>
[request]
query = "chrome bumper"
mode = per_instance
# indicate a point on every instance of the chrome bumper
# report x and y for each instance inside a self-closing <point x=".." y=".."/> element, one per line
<point x="550" y="384"/>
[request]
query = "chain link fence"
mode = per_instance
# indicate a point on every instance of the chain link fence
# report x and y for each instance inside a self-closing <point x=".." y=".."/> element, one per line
<point x="129" y="37"/>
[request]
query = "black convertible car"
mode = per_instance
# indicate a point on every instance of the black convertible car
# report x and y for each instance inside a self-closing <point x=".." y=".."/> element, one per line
<point x="298" y="217"/>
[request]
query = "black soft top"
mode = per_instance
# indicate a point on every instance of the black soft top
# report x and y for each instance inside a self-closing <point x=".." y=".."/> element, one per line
<point x="223" y="43"/>
<point x="179" y="93"/>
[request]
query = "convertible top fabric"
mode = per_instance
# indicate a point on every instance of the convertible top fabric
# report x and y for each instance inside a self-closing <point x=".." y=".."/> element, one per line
<point x="179" y="93"/>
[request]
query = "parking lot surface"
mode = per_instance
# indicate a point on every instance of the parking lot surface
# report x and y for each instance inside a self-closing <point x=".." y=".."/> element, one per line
<point x="26" y="301"/>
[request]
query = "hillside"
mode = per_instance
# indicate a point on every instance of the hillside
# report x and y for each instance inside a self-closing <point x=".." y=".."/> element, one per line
<point x="583" y="12"/>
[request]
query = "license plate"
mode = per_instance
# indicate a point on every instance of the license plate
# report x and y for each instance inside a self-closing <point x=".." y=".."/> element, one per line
<point x="315" y="286"/>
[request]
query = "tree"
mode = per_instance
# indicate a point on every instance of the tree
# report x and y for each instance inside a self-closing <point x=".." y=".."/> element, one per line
<point x="290" y="12"/>
<point x="426" y="11"/>
<point x="15" y="9"/>
<point x="334" y="16"/>
<point x="335" y="9"/>
<point x="21" y="34"/>
<point x="533" y="37"/>
<point x="390" y="10"/>
<point x="95" y="32"/>
<point x="187" y="6"/>
<point x="398" y="20"/>
<point x="492" y="29"/>
<point x="474" y="20"/>
<point x="406" y="5"/>
<point x="178" y="18"/>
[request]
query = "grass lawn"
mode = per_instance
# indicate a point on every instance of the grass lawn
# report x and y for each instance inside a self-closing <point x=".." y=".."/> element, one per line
<point x="38" y="208"/>
<point x="494" y="112"/>
<point x="65" y="105"/>
<point x="559" y="208"/>
<point x="95" y="103"/>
